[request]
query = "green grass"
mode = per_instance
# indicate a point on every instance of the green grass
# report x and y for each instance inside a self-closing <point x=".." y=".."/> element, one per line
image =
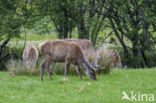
<point x="107" y="89"/>
<point x="35" y="36"/>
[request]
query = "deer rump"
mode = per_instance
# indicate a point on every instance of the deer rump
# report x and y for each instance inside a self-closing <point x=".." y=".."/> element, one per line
<point x="85" y="44"/>
<point x="30" y="57"/>
<point x="61" y="51"/>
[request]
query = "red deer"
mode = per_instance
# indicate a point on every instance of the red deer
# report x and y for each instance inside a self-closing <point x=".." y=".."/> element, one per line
<point x="62" y="51"/>
<point x="30" y="56"/>
<point x="85" y="45"/>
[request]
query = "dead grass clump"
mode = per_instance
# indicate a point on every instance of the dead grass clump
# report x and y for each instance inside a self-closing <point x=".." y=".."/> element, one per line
<point x="16" y="67"/>
<point x="104" y="61"/>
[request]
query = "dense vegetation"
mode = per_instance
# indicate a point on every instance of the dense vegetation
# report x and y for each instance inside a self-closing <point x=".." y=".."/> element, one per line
<point x="130" y="25"/>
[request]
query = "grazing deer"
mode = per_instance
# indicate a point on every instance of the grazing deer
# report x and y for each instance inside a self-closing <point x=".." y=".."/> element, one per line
<point x="30" y="57"/>
<point x="62" y="51"/>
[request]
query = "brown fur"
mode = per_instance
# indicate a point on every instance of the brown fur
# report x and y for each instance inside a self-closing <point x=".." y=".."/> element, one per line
<point x="62" y="51"/>
<point x="83" y="43"/>
<point x="30" y="56"/>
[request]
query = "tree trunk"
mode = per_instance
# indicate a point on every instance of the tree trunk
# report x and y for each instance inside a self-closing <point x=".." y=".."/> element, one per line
<point x="82" y="32"/>
<point x="60" y="32"/>
<point x="135" y="55"/>
<point x="126" y="53"/>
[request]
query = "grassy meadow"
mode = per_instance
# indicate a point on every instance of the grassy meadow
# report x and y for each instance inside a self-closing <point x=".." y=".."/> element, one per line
<point x="123" y="34"/>
<point x="107" y="89"/>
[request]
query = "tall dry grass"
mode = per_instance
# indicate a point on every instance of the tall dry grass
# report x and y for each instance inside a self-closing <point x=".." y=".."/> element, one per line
<point x="16" y="67"/>
<point x="104" y="61"/>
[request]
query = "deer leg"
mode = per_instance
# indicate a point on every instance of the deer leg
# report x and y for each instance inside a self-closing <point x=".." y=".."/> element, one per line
<point x="78" y="71"/>
<point x="49" y="73"/>
<point x="42" y="70"/>
<point x="67" y="64"/>
<point x="85" y="69"/>
<point x="47" y="68"/>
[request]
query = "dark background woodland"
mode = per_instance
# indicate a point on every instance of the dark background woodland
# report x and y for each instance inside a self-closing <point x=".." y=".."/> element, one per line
<point x="132" y="23"/>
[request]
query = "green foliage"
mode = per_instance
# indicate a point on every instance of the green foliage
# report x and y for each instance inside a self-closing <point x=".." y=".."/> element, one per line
<point x="63" y="15"/>
<point x="10" y="19"/>
<point x="42" y="26"/>
<point x="132" y="24"/>
<point x="14" y="14"/>
<point x="131" y="20"/>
